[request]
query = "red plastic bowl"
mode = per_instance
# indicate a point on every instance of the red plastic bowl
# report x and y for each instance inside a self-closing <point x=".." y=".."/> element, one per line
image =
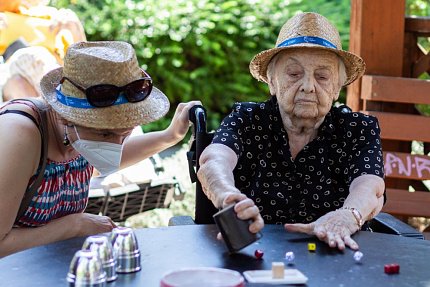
<point x="203" y="276"/>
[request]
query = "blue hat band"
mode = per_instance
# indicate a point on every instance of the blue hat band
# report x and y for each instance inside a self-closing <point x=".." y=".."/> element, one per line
<point x="82" y="103"/>
<point x="307" y="39"/>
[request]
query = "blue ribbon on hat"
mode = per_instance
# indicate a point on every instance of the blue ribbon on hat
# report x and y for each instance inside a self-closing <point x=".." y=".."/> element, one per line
<point x="307" y="39"/>
<point x="82" y="103"/>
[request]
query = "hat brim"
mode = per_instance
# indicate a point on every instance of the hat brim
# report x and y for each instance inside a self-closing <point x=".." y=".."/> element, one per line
<point x="354" y="65"/>
<point x="127" y="115"/>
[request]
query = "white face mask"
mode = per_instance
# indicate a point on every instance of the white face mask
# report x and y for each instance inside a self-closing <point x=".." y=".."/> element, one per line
<point x="104" y="156"/>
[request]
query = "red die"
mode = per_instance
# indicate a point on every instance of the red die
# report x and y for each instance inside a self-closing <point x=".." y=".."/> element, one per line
<point x="392" y="268"/>
<point x="258" y="253"/>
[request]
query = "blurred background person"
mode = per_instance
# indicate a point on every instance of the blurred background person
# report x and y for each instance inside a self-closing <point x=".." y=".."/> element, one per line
<point x="40" y="25"/>
<point x="21" y="74"/>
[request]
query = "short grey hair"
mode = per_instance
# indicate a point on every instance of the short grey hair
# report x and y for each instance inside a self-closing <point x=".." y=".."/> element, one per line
<point x="342" y="69"/>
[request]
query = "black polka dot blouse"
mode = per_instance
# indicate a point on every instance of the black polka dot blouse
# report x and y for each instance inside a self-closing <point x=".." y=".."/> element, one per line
<point x="317" y="180"/>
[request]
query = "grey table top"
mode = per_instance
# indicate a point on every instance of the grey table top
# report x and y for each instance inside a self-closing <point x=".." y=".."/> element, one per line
<point x="170" y="248"/>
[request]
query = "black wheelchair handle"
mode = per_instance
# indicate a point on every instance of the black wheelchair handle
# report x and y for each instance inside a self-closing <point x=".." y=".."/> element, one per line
<point x="197" y="115"/>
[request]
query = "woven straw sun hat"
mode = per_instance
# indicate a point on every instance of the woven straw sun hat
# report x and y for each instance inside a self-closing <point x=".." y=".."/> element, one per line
<point x="308" y="31"/>
<point x="94" y="63"/>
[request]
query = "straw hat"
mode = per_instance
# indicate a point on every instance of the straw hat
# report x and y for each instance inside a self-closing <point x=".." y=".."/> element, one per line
<point x="309" y="31"/>
<point x="93" y="63"/>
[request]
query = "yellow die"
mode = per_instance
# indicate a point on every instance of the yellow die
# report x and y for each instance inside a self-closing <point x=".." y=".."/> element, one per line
<point x="312" y="247"/>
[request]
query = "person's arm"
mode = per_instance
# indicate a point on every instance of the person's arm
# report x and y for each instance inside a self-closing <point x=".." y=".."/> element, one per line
<point x="217" y="163"/>
<point x="17" y="87"/>
<point x="73" y="225"/>
<point x="20" y="159"/>
<point x="366" y="194"/>
<point x="141" y="147"/>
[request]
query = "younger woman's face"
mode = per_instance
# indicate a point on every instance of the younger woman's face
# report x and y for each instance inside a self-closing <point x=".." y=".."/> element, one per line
<point x="116" y="136"/>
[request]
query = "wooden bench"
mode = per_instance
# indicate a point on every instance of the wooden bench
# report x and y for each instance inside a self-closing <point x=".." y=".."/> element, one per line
<point x="401" y="169"/>
<point x="122" y="202"/>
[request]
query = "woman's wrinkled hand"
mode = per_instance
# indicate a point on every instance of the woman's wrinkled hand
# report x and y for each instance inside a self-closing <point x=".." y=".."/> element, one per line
<point x="335" y="228"/>
<point x="245" y="209"/>
<point x="179" y="125"/>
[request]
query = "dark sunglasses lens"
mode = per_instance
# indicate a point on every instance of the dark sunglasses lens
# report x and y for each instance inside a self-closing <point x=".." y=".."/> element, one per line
<point x="138" y="90"/>
<point x="102" y="95"/>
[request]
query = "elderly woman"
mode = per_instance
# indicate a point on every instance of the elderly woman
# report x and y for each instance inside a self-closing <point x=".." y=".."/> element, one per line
<point x="294" y="159"/>
<point x="91" y="107"/>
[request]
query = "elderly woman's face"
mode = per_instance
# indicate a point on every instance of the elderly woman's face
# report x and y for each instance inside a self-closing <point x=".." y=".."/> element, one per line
<point x="305" y="82"/>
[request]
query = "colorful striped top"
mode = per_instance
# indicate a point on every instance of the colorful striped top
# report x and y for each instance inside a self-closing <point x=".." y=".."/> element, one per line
<point x="64" y="191"/>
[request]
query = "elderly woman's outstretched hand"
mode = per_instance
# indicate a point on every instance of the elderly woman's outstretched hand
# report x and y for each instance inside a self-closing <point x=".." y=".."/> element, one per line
<point x="335" y="228"/>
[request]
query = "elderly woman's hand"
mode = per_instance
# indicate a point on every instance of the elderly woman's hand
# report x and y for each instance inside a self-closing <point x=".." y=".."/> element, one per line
<point x="180" y="123"/>
<point x="245" y="209"/>
<point x="335" y="228"/>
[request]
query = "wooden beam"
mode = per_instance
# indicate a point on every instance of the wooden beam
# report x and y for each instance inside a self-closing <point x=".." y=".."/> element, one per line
<point x="406" y="165"/>
<point x="417" y="24"/>
<point x="403" y="127"/>
<point x="395" y="89"/>
<point x="403" y="202"/>
<point x="421" y="65"/>
<point x="375" y="26"/>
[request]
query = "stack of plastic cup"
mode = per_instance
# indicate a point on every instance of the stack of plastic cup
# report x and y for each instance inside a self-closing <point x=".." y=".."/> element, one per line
<point x="86" y="269"/>
<point x="103" y="248"/>
<point x="126" y="250"/>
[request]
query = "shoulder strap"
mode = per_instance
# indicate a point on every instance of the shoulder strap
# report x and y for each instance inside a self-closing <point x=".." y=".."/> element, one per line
<point x="22" y="113"/>
<point x="43" y="129"/>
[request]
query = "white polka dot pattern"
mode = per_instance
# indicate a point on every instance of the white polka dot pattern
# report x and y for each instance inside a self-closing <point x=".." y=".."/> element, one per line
<point x="318" y="180"/>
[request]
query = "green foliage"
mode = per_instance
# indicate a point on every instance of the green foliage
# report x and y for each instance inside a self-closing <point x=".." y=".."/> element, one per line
<point x="418" y="7"/>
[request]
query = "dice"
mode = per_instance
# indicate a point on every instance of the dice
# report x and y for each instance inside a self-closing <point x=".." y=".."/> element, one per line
<point x="392" y="268"/>
<point x="258" y="254"/>
<point x="358" y="255"/>
<point x="289" y="256"/>
<point x="312" y="247"/>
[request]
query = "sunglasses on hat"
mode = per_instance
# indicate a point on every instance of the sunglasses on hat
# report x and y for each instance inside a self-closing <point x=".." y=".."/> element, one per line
<point x="105" y="95"/>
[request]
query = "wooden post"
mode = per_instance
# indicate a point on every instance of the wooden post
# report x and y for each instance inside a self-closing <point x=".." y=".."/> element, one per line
<point x="377" y="35"/>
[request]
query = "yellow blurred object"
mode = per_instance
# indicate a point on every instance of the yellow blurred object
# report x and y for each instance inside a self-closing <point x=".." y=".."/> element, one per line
<point x="34" y="30"/>
<point x="43" y="26"/>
